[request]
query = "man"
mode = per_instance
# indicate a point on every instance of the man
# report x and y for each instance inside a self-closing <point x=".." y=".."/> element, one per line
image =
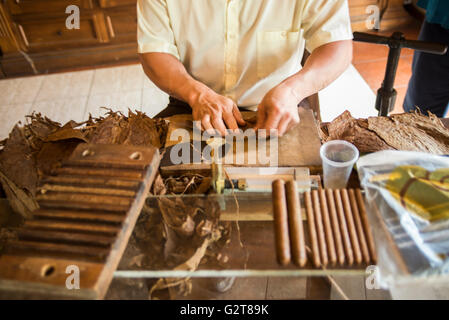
<point x="428" y="88"/>
<point x="219" y="55"/>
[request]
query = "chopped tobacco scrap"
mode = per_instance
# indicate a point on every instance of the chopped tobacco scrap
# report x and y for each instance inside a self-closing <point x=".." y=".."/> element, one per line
<point x="185" y="184"/>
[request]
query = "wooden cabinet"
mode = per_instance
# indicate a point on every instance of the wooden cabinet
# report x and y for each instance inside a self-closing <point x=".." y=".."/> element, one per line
<point x="53" y="35"/>
<point x="18" y="7"/>
<point x="394" y="16"/>
<point x="115" y="3"/>
<point x="122" y="24"/>
<point x="34" y="38"/>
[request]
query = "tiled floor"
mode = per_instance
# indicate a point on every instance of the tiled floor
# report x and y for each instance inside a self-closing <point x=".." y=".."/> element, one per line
<point x="349" y="92"/>
<point x="370" y="60"/>
<point x="73" y="95"/>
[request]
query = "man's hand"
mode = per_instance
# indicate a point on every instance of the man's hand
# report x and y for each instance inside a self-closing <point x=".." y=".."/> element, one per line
<point x="215" y="111"/>
<point x="278" y="110"/>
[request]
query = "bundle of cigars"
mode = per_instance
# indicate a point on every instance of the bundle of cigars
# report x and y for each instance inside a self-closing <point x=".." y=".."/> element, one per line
<point x="335" y="231"/>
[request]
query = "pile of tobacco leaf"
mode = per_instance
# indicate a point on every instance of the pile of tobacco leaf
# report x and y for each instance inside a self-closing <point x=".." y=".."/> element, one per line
<point x="406" y="131"/>
<point x="36" y="148"/>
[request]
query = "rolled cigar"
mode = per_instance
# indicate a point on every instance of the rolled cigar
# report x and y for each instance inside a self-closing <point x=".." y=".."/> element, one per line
<point x="351" y="226"/>
<point x="366" y="226"/>
<point x="343" y="228"/>
<point x="319" y="227"/>
<point x="327" y="228"/>
<point x="296" y="231"/>
<point x="358" y="226"/>
<point x="335" y="226"/>
<point x="312" y="230"/>
<point x="281" y="222"/>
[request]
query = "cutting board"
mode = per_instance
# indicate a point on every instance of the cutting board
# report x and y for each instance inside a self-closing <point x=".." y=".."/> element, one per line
<point x="299" y="147"/>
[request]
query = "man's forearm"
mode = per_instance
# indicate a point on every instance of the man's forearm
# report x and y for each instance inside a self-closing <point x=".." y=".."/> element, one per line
<point x="324" y="65"/>
<point x="212" y="110"/>
<point x="169" y="75"/>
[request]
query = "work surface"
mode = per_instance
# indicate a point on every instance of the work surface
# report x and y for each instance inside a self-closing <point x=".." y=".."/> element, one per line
<point x="298" y="147"/>
<point x="290" y="155"/>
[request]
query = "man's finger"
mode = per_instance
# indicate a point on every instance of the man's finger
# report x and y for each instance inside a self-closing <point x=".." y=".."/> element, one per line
<point x="260" y="117"/>
<point x="205" y="123"/>
<point x="272" y="120"/>
<point x="294" y="121"/>
<point x="238" y="116"/>
<point x="230" y="121"/>
<point x="284" y="124"/>
<point x="219" y="125"/>
<point x="198" y="125"/>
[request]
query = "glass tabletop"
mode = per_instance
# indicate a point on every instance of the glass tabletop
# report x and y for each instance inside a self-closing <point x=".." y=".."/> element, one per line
<point x="211" y="236"/>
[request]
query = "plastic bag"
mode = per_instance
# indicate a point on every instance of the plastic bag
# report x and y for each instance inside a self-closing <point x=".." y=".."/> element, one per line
<point x="408" y="202"/>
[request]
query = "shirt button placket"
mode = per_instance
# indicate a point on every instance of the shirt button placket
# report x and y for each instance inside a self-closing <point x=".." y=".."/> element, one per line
<point x="232" y="32"/>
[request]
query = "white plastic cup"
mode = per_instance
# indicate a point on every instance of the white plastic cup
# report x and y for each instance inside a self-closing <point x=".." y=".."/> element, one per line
<point x="338" y="157"/>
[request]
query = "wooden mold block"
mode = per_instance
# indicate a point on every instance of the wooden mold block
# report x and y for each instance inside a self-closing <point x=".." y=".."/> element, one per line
<point x="87" y="211"/>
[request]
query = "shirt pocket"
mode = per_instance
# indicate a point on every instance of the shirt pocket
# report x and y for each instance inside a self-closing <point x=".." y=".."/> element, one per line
<point x="274" y="48"/>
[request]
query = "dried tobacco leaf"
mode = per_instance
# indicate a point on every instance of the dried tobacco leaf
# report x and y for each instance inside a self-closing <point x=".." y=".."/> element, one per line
<point x="187" y="221"/>
<point x="40" y="127"/>
<point x="52" y="154"/>
<point x="106" y="130"/>
<point x="187" y="184"/>
<point x="145" y="131"/>
<point x="158" y="187"/>
<point x="30" y="152"/>
<point x="65" y="133"/>
<point x="190" y="264"/>
<point x="407" y="131"/>
<point x="136" y="129"/>
<point x="355" y="131"/>
<point x="58" y="146"/>
<point x="41" y="145"/>
<point x="412" y="132"/>
<point x="17" y="161"/>
<point x="19" y="199"/>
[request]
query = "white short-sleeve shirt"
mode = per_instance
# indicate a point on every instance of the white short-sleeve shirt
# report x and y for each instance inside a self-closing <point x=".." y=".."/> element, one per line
<point x="240" y="48"/>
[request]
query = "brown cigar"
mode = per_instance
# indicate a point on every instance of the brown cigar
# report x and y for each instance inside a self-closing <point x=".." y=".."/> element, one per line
<point x="366" y="226"/>
<point x="312" y="230"/>
<point x="327" y="228"/>
<point x="358" y="226"/>
<point x="319" y="227"/>
<point x="351" y="226"/>
<point x="296" y="231"/>
<point x="335" y="226"/>
<point x="344" y="228"/>
<point x="281" y="222"/>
